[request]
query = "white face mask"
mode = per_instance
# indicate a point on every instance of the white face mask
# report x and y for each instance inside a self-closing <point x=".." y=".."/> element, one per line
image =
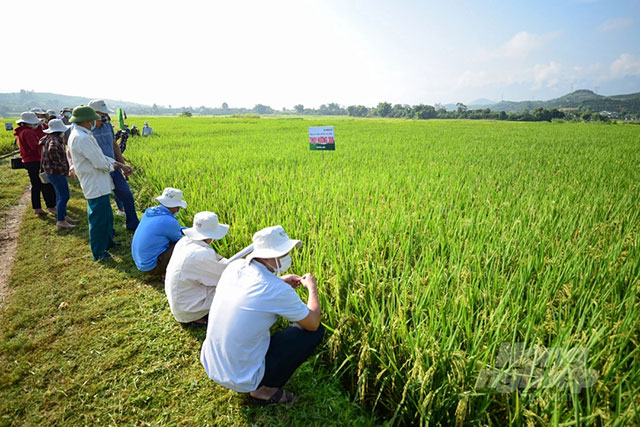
<point x="93" y="125"/>
<point x="283" y="264"/>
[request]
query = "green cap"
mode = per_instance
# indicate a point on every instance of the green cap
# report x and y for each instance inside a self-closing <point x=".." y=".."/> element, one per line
<point x="83" y="113"/>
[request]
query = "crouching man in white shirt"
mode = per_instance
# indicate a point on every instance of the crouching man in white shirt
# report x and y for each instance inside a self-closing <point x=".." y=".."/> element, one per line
<point x="239" y="353"/>
<point x="194" y="270"/>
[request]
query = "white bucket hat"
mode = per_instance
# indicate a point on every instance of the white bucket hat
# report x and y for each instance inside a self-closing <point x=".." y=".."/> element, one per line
<point x="56" y="125"/>
<point x="100" y="106"/>
<point x="272" y="242"/>
<point x="28" y="117"/>
<point x="38" y="110"/>
<point x="206" y="226"/>
<point x="171" y="198"/>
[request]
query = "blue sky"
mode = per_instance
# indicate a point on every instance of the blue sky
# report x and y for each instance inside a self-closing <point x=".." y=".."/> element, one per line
<point x="282" y="53"/>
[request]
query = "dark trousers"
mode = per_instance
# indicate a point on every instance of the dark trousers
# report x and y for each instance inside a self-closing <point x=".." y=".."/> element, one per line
<point x="37" y="187"/>
<point x="122" y="193"/>
<point x="61" y="186"/>
<point x="163" y="261"/>
<point x="288" y="349"/>
<point x="100" y="226"/>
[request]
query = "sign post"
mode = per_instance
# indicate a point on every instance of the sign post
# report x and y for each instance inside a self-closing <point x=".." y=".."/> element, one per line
<point x="322" y="138"/>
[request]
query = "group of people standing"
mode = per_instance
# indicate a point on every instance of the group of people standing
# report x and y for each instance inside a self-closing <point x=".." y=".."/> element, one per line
<point x="236" y="299"/>
<point x="80" y="144"/>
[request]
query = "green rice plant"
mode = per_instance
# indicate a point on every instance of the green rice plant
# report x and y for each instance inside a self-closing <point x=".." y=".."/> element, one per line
<point x="436" y="243"/>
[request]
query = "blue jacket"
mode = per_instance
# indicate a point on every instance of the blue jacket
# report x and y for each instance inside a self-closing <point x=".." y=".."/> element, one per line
<point x="158" y="227"/>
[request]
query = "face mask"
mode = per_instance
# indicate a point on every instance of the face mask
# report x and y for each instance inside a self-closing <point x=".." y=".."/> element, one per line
<point x="283" y="265"/>
<point x="93" y="125"/>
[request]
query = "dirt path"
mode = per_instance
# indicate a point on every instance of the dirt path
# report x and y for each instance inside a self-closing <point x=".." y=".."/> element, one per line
<point x="9" y="227"/>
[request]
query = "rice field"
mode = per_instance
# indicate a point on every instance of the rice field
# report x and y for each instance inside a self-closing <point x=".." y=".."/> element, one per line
<point x="470" y="272"/>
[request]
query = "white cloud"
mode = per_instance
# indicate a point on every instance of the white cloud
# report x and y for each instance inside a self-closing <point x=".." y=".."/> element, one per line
<point x="625" y="65"/>
<point x="548" y="75"/>
<point x="615" y="24"/>
<point x="520" y="46"/>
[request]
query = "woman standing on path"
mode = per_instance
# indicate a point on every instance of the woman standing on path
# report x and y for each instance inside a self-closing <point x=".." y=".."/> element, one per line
<point x="28" y="134"/>
<point x="56" y="167"/>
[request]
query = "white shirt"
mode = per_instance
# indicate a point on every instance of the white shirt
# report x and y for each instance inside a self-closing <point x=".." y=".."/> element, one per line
<point x="192" y="275"/>
<point x="92" y="167"/>
<point x="249" y="299"/>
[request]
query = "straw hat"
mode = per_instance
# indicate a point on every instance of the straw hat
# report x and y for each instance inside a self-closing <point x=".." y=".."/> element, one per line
<point x="171" y="198"/>
<point x="206" y="226"/>
<point x="272" y="242"/>
<point x="56" y="125"/>
<point x="29" y="118"/>
<point x="100" y="106"/>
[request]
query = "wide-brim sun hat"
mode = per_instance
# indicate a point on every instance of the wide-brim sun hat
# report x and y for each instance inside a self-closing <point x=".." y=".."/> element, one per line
<point x="29" y="118"/>
<point x="38" y="110"/>
<point x="82" y="113"/>
<point x="272" y="242"/>
<point x="56" y="125"/>
<point x="100" y="106"/>
<point x="171" y="198"/>
<point x="52" y="113"/>
<point x="206" y="226"/>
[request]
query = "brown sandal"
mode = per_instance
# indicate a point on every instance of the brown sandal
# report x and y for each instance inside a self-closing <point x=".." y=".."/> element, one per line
<point x="276" y="397"/>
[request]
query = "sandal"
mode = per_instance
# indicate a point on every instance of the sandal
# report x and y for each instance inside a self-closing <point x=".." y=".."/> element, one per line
<point x="276" y="397"/>
<point x="200" y="323"/>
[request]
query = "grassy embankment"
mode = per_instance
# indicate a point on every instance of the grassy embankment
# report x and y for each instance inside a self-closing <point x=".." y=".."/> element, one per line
<point x="87" y="344"/>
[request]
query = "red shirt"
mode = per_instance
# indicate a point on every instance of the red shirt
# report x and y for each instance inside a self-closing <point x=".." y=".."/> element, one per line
<point x="28" y="140"/>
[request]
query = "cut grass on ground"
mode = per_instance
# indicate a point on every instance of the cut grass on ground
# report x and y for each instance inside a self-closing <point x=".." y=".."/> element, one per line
<point x="88" y="343"/>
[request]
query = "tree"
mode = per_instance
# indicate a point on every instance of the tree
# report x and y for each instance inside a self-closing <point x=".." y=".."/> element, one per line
<point x="186" y="113"/>
<point x="461" y="108"/>
<point x="383" y="109"/>
<point x="424" y="112"/>
<point x="225" y="106"/>
<point x="299" y="108"/>
<point x="357" y="110"/>
<point x="586" y="116"/>
<point x="262" y="109"/>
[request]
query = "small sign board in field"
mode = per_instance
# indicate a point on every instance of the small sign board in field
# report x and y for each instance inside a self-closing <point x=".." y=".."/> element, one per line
<point x="322" y="138"/>
<point x="8" y="126"/>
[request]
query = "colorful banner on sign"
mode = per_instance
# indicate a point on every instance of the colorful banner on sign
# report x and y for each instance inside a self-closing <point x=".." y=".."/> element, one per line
<point x="322" y="138"/>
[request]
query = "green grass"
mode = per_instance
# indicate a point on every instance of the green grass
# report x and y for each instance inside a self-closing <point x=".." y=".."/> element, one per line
<point x="434" y="243"/>
<point x="6" y="137"/>
<point x="113" y="354"/>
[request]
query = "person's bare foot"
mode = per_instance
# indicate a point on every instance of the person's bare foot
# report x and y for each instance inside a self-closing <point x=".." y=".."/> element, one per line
<point x="40" y="212"/>
<point x="265" y="395"/>
<point x="64" y="224"/>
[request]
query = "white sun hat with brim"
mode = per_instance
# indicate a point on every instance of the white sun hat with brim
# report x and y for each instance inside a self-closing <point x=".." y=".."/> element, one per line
<point x="38" y="110"/>
<point x="52" y="113"/>
<point x="272" y="242"/>
<point x="206" y="226"/>
<point x="29" y="118"/>
<point x="100" y="106"/>
<point x="171" y="198"/>
<point x="56" y="125"/>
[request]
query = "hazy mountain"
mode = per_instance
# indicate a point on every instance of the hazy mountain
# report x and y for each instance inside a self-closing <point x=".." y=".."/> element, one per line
<point x="481" y="103"/>
<point x="580" y="100"/>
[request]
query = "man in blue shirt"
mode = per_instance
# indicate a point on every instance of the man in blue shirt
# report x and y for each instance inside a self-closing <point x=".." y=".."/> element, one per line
<point x="158" y="232"/>
<point x="105" y="136"/>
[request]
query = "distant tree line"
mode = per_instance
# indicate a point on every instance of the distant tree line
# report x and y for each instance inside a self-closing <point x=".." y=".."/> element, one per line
<point x="425" y="112"/>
